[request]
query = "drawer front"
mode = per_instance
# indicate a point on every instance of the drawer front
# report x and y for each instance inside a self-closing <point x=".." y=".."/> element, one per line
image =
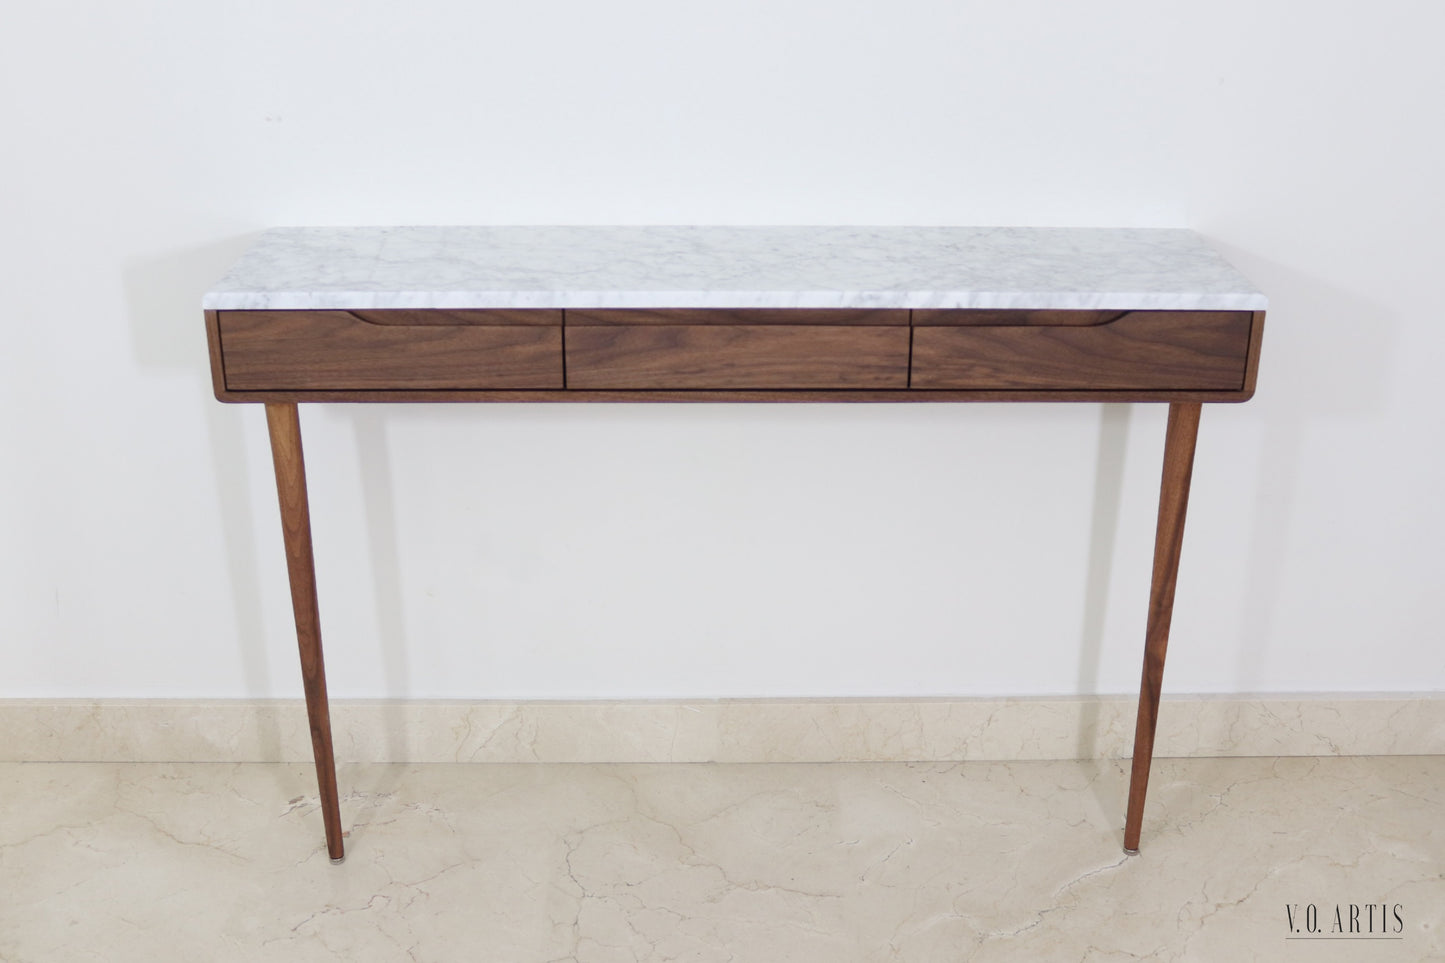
<point x="1138" y="350"/>
<point x="342" y="350"/>
<point x="736" y="356"/>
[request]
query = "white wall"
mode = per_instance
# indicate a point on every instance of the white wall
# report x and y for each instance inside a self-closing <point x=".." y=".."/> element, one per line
<point x="637" y="551"/>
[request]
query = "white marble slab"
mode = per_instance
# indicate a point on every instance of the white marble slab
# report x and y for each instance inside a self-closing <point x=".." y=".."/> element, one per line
<point x="733" y="267"/>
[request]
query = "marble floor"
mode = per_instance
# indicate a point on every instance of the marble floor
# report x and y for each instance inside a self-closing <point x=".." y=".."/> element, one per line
<point x="770" y="862"/>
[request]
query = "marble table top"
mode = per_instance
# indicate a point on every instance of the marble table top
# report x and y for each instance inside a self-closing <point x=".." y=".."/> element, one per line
<point x="732" y="267"/>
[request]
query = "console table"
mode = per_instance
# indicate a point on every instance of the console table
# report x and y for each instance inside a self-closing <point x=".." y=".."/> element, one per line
<point x="731" y="314"/>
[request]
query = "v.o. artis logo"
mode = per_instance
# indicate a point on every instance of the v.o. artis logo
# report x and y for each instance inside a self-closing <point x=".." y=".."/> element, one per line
<point x="1345" y="921"/>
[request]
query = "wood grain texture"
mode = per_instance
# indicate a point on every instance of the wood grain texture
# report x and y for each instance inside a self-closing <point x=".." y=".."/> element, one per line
<point x="275" y="358"/>
<point x="285" y="430"/>
<point x="1179" y="442"/>
<point x="732" y="356"/>
<point x="953" y="317"/>
<point x="1256" y="341"/>
<point x="1142" y="350"/>
<point x="321" y="350"/>
<point x="577" y="317"/>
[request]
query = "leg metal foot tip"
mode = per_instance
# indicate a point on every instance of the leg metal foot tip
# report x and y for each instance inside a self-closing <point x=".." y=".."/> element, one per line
<point x="1127" y="852"/>
<point x="337" y="860"/>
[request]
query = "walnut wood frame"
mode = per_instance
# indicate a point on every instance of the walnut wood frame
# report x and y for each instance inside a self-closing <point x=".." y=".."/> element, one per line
<point x="1065" y="356"/>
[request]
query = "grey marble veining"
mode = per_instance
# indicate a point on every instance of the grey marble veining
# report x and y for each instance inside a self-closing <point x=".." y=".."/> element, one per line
<point x="733" y="267"/>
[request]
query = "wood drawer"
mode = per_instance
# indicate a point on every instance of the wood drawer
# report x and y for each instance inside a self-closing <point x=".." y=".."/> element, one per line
<point x="1080" y="350"/>
<point x="390" y="350"/>
<point x="737" y="349"/>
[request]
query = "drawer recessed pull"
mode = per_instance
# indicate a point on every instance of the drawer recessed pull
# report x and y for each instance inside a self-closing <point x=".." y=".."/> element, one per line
<point x="429" y="317"/>
<point x="1012" y="317"/>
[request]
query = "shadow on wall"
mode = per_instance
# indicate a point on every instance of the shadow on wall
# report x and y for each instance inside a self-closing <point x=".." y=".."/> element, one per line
<point x="1329" y="352"/>
<point x="163" y="297"/>
<point x="1312" y="346"/>
<point x="378" y="498"/>
<point x="1103" y="536"/>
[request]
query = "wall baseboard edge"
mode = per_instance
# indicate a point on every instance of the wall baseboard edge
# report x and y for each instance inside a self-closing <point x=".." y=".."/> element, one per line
<point x="735" y="731"/>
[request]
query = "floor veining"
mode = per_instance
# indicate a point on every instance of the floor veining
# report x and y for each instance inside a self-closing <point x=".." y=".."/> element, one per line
<point x="1247" y="858"/>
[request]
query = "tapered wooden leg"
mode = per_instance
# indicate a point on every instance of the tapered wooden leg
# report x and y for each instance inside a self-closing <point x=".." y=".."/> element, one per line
<point x="1168" y="540"/>
<point x="285" y="427"/>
